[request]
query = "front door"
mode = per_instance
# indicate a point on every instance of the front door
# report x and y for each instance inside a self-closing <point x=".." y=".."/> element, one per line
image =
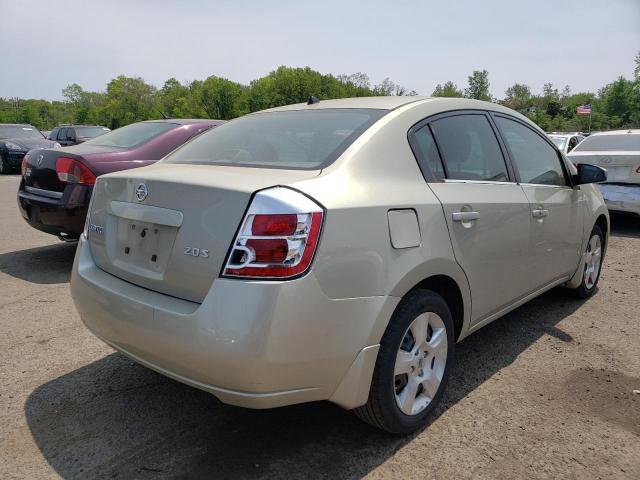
<point x="556" y="215"/>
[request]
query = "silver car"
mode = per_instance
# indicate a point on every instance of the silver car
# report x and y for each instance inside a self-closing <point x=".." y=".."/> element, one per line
<point x="618" y="151"/>
<point x="336" y="250"/>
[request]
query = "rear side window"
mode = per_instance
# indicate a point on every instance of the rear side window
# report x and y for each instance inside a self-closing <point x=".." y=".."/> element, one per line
<point x="302" y="139"/>
<point x="537" y="161"/>
<point x="428" y="152"/>
<point x="469" y="148"/>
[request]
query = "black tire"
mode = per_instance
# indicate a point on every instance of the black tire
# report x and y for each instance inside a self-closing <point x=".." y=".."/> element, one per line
<point x="4" y="168"/>
<point x="382" y="410"/>
<point x="584" y="290"/>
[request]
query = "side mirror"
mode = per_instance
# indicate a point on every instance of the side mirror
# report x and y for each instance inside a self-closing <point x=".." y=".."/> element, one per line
<point x="589" y="174"/>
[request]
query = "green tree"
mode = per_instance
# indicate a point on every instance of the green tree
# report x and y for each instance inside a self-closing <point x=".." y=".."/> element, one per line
<point x="448" y="89"/>
<point x="478" y="85"/>
<point x="130" y="100"/>
<point x="222" y="98"/>
<point x="517" y="96"/>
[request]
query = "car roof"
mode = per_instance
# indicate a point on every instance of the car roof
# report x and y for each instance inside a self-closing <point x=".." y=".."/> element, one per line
<point x="79" y="125"/>
<point x="441" y="104"/>
<point x="633" y="131"/>
<point x="380" y="103"/>
<point x="185" y="121"/>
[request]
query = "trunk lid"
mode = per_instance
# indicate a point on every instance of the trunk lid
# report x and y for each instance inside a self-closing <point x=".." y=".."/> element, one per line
<point x="41" y="169"/>
<point x="621" y="166"/>
<point x="176" y="238"/>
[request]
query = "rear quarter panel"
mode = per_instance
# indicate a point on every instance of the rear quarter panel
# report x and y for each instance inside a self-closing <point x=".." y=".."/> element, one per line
<point x="376" y="174"/>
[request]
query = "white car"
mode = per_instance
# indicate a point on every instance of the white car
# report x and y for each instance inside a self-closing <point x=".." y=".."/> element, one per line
<point x="618" y="152"/>
<point x="566" y="142"/>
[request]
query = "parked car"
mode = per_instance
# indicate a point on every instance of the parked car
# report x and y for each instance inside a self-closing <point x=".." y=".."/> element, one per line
<point x="68" y="134"/>
<point x="16" y="139"/>
<point x="566" y="141"/>
<point x="336" y="251"/>
<point x="56" y="183"/>
<point x="618" y="151"/>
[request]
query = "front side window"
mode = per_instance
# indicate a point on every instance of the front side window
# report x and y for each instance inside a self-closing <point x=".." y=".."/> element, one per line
<point x="537" y="161"/>
<point x="302" y="139"/>
<point x="469" y="148"/>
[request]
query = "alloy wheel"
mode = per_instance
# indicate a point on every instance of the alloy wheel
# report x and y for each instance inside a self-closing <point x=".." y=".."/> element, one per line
<point x="420" y="363"/>
<point x="593" y="260"/>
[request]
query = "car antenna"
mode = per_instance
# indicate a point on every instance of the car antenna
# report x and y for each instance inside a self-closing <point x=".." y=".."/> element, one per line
<point x="164" y="117"/>
<point x="313" y="100"/>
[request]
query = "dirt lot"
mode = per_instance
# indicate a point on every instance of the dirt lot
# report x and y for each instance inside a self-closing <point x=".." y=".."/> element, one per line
<point x="546" y="392"/>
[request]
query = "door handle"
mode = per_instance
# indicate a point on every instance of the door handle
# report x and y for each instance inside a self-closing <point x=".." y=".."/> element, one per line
<point x="465" y="216"/>
<point x="539" y="213"/>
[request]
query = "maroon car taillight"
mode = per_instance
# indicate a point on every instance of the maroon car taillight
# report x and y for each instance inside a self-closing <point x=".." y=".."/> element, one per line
<point x="70" y="170"/>
<point x="278" y="236"/>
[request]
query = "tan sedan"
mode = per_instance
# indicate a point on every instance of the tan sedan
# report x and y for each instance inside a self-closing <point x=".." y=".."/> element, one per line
<point x="336" y="250"/>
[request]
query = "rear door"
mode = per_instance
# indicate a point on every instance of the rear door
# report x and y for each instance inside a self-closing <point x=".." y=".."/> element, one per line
<point x="486" y="211"/>
<point x="556" y="207"/>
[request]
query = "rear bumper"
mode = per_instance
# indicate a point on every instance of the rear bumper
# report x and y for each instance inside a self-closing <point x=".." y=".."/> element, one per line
<point x="254" y="344"/>
<point x="64" y="215"/>
<point x="621" y="198"/>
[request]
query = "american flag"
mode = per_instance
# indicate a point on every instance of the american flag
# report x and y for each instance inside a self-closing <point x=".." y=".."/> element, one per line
<point x="584" y="109"/>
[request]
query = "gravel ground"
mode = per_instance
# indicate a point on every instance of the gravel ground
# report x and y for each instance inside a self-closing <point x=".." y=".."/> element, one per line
<point x="545" y="392"/>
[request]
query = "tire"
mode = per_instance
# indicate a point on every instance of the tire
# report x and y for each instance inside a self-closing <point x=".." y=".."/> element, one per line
<point x="4" y="168"/>
<point x="593" y="265"/>
<point x="430" y="365"/>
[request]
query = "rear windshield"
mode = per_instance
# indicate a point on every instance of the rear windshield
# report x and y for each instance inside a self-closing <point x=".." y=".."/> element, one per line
<point x="559" y="141"/>
<point x="303" y="139"/>
<point x="91" y="131"/>
<point x="19" y="131"/>
<point x="625" y="142"/>
<point x="131" y="135"/>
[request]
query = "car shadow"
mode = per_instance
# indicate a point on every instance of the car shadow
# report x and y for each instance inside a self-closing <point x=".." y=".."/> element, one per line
<point x="623" y="225"/>
<point x="115" y="419"/>
<point x="43" y="265"/>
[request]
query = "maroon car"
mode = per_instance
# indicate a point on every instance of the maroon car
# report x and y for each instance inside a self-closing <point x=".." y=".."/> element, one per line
<point x="56" y="183"/>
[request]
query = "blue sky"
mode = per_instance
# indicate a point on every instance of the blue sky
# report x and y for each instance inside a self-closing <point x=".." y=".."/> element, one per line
<point x="47" y="45"/>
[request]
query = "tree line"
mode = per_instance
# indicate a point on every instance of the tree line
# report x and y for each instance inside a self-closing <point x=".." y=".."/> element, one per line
<point x="131" y="99"/>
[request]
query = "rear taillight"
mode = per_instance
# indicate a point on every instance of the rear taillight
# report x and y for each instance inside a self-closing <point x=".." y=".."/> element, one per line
<point x="278" y="236"/>
<point x="70" y="170"/>
<point x="23" y="165"/>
